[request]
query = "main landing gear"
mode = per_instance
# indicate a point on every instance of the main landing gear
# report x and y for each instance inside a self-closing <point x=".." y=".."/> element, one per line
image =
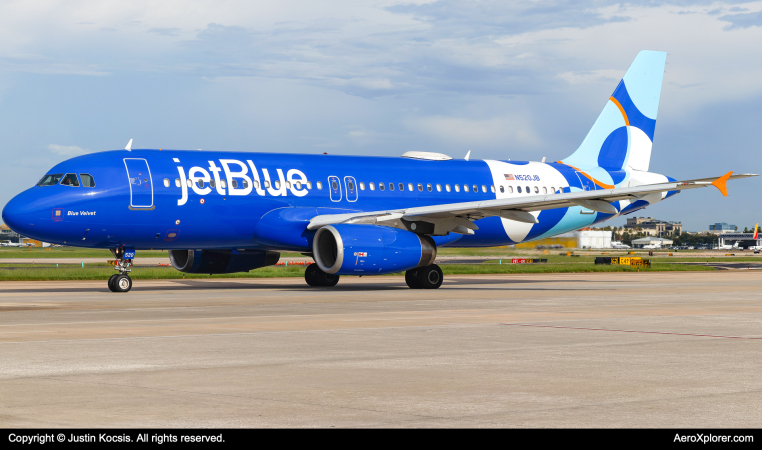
<point x="316" y="277"/>
<point x="428" y="277"/>
<point x="121" y="282"/>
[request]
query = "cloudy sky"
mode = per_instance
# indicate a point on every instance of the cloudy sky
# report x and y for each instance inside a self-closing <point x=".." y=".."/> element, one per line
<point x="504" y="79"/>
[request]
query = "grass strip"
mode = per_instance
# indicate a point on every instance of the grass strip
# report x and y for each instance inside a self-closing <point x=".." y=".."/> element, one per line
<point x="102" y="272"/>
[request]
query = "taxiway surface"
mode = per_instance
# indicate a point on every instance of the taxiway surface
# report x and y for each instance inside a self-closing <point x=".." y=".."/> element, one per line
<point x="663" y="349"/>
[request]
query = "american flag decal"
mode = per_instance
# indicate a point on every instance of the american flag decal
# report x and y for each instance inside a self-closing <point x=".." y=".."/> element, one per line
<point x="509" y="176"/>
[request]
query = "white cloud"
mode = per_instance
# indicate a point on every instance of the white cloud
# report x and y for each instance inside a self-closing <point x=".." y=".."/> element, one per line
<point x="496" y="132"/>
<point x="67" y="150"/>
<point x="594" y="76"/>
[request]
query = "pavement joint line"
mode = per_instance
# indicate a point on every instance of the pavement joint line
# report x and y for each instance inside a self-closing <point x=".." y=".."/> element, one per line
<point x="17" y="332"/>
<point x="316" y="315"/>
<point x="630" y="331"/>
<point x="249" y="334"/>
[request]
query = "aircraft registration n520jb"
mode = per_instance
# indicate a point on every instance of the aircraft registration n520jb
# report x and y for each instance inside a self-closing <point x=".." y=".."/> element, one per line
<point x="224" y="212"/>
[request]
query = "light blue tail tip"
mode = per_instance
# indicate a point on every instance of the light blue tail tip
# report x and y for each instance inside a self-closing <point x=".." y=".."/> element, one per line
<point x="643" y="81"/>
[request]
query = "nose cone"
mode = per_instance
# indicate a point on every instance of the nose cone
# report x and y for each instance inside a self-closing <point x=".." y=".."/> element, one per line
<point x="20" y="214"/>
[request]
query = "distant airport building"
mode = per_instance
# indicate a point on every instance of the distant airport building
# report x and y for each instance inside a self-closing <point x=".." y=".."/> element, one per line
<point x="6" y="234"/>
<point x="653" y="227"/>
<point x="573" y="239"/>
<point x="651" y="241"/>
<point x="722" y="226"/>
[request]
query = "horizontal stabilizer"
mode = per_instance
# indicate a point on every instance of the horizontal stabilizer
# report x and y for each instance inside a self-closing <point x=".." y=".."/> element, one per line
<point x="722" y="183"/>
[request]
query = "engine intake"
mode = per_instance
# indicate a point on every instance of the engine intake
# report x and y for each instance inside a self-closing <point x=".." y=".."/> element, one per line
<point x="348" y="249"/>
<point x="221" y="261"/>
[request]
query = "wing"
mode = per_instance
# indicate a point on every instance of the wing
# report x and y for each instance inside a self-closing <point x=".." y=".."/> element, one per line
<point x="459" y="217"/>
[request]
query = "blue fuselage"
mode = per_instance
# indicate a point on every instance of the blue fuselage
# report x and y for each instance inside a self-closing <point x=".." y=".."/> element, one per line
<point x="166" y="199"/>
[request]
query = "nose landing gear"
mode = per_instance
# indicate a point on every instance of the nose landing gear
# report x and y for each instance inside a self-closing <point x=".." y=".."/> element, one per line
<point x="121" y="282"/>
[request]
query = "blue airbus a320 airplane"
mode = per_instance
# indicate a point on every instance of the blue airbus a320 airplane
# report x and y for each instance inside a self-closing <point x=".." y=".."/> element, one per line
<point x="225" y="212"/>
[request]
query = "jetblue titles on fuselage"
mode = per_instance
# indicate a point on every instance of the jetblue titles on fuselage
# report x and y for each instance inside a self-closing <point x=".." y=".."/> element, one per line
<point x="240" y="178"/>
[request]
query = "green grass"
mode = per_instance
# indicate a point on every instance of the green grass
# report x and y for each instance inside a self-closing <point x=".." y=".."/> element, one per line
<point x="46" y="272"/>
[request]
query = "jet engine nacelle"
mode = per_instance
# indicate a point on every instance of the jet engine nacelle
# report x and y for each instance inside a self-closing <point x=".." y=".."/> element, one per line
<point x="347" y="249"/>
<point x="221" y="261"/>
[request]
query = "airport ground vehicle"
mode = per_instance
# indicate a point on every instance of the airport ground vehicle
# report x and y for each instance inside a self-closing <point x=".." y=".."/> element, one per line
<point x="223" y="212"/>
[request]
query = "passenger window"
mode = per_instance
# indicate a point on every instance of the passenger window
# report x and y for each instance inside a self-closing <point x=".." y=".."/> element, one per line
<point x="484" y="188"/>
<point x="510" y="189"/>
<point x="88" y="181"/>
<point x="492" y="188"/>
<point x="447" y="187"/>
<point x="420" y="187"/>
<point x="362" y="186"/>
<point x="552" y="190"/>
<point x="502" y="190"/>
<point x="429" y="188"/>
<point x="439" y="187"/>
<point x="70" y="180"/>
<point x="529" y="191"/>
<point x="234" y="183"/>
<point x="256" y="184"/>
<point x="334" y="185"/>
<point x="200" y="183"/>
<point x="298" y="184"/>
<point x="465" y="188"/>
<point x="381" y="186"/>
<point x="309" y="185"/>
<point x="402" y="187"/>
<point x="536" y="190"/>
<point x="223" y="183"/>
<point x="189" y="183"/>
<point x="372" y="186"/>
<point x="476" y="189"/>
<point x="177" y="182"/>
<point x="351" y="186"/>
<point x="518" y="189"/>
<point x="212" y="183"/>
<point x="288" y="185"/>
<point x="166" y="181"/>
<point x="50" y="179"/>
<point x="276" y="182"/>
<point x="391" y="186"/>
<point x="544" y="190"/>
<point x="319" y="185"/>
<point x="457" y="188"/>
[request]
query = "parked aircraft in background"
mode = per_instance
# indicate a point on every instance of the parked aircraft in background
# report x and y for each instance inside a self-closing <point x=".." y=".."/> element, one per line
<point x="619" y="245"/>
<point x="755" y="248"/>
<point x="14" y="244"/>
<point x="223" y="212"/>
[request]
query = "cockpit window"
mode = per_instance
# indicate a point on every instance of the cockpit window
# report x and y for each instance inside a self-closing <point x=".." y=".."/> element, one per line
<point x="50" y="179"/>
<point x="70" y="180"/>
<point x="87" y="180"/>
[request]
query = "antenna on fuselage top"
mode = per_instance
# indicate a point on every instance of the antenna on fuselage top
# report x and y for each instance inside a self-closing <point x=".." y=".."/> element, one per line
<point x="129" y="146"/>
<point x="467" y="155"/>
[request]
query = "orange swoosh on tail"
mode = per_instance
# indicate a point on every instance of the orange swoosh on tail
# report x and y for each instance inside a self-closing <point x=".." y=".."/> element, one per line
<point x="599" y="183"/>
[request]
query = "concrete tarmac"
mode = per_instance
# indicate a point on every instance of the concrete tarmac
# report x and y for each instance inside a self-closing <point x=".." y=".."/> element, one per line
<point x="662" y="349"/>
